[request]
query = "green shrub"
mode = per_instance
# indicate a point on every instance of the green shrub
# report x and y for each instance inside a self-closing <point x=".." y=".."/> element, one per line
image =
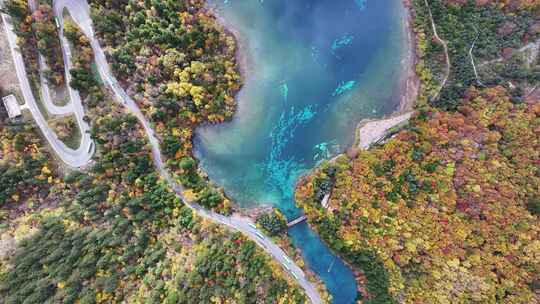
<point x="273" y="222"/>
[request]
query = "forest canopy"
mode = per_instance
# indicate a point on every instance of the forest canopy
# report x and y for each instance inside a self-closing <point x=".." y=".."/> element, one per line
<point x="179" y="65"/>
<point x="448" y="206"/>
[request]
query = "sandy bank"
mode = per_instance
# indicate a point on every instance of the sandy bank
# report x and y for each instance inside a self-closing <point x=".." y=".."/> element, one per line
<point x="370" y="132"/>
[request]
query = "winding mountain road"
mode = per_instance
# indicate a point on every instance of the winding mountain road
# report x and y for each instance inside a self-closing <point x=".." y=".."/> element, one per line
<point x="74" y="106"/>
<point x="45" y="91"/>
<point x="80" y="12"/>
<point x="75" y="158"/>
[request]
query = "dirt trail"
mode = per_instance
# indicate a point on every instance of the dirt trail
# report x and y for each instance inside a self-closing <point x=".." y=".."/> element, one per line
<point x="445" y="46"/>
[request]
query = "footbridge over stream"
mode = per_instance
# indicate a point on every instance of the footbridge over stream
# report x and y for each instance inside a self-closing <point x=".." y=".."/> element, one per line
<point x="296" y="221"/>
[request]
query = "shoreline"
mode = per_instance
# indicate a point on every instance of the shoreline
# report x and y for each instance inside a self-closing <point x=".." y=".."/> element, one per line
<point x="408" y="90"/>
<point x="243" y="58"/>
<point x="410" y="83"/>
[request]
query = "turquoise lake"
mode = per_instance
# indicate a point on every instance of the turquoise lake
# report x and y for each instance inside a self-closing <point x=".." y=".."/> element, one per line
<point x="313" y="70"/>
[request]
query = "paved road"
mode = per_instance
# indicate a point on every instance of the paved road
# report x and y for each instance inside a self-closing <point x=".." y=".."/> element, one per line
<point x="73" y="158"/>
<point x="80" y="12"/>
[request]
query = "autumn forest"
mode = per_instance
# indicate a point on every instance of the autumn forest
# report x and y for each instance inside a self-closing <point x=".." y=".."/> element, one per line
<point x="443" y="210"/>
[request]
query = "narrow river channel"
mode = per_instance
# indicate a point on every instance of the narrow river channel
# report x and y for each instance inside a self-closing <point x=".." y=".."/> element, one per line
<point x="312" y="70"/>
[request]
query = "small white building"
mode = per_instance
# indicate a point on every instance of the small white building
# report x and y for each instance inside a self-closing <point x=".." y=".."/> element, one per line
<point x="12" y="106"/>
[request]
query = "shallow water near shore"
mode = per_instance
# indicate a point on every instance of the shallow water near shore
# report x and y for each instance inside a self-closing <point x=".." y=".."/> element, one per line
<point x="315" y="69"/>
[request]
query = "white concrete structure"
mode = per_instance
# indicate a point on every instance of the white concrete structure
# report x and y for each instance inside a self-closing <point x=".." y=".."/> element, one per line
<point x="12" y="107"/>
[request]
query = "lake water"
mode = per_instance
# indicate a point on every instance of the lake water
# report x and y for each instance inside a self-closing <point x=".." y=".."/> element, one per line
<point x="314" y="69"/>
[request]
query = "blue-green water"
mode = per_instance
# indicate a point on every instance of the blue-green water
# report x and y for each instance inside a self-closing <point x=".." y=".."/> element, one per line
<point x="314" y="68"/>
